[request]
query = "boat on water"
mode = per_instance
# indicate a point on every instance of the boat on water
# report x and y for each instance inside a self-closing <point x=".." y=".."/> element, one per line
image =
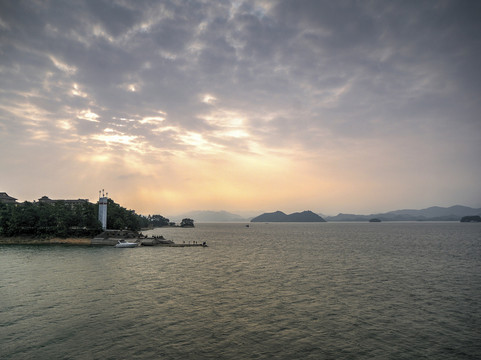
<point x="125" y="244"/>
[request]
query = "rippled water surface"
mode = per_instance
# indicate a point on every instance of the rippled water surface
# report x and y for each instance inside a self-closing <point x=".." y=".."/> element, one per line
<point x="270" y="291"/>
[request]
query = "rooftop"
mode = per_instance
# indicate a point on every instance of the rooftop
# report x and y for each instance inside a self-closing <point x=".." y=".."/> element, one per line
<point x="5" y="198"/>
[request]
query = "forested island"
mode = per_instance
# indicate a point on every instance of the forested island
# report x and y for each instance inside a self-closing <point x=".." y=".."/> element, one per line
<point x="66" y="219"/>
<point x="279" y="216"/>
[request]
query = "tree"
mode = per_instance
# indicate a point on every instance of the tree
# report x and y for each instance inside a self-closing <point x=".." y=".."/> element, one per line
<point x="119" y="217"/>
<point x="158" y="221"/>
<point x="187" y="222"/>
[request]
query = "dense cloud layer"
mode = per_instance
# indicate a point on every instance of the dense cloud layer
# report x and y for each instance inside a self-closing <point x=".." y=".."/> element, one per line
<point x="319" y="104"/>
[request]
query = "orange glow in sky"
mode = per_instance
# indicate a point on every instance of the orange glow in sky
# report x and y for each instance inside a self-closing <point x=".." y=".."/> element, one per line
<point x="242" y="106"/>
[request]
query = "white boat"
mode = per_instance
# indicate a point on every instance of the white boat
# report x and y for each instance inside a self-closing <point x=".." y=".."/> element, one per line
<point x="125" y="244"/>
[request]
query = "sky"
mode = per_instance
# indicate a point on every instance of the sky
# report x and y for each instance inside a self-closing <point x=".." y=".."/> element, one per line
<point x="244" y="106"/>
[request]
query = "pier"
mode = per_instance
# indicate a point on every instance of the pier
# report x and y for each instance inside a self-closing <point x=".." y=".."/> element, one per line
<point x="111" y="237"/>
<point x="105" y="238"/>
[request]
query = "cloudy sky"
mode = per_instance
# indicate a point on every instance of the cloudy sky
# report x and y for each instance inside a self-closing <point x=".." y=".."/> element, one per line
<point x="172" y="106"/>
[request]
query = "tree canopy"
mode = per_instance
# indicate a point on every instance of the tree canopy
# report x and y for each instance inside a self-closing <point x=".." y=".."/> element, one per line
<point x="49" y="219"/>
<point x="187" y="222"/>
<point x="63" y="219"/>
<point x="158" y="221"/>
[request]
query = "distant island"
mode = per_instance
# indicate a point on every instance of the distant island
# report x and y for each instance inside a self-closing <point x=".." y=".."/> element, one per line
<point x="475" y="218"/>
<point x="279" y="216"/>
<point x="435" y="213"/>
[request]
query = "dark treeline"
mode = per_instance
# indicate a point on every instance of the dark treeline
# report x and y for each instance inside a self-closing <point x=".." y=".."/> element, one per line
<point x="62" y="219"/>
<point x="154" y="221"/>
<point x="49" y="219"/>
<point x="120" y="218"/>
<point x="157" y="221"/>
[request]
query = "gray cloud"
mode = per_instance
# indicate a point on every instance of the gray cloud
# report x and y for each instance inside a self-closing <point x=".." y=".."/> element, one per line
<point x="312" y="75"/>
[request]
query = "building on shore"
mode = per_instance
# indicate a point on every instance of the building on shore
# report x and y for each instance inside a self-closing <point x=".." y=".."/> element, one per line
<point x="46" y="200"/>
<point x="6" y="199"/>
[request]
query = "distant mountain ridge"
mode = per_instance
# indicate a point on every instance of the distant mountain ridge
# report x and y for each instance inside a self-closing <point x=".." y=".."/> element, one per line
<point x="434" y="213"/>
<point x="279" y="216"/>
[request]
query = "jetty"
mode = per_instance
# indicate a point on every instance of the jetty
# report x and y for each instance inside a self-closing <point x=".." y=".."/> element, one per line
<point x="106" y="238"/>
<point x="112" y="237"/>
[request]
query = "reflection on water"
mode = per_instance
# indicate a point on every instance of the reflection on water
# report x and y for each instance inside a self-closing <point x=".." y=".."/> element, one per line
<point x="285" y="291"/>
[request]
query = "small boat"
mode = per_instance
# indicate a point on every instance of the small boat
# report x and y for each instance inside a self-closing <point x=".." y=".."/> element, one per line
<point x="125" y="244"/>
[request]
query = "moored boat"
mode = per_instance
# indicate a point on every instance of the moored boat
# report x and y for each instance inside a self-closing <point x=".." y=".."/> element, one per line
<point x="126" y="244"/>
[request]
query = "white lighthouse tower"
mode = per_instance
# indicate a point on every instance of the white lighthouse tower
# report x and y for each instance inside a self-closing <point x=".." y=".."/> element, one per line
<point x="103" y="209"/>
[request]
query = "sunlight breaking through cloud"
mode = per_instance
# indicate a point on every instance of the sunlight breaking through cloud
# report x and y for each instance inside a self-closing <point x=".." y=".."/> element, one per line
<point x="278" y="100"/>
<point x="88" y="115"/>
<point x="77" y="92"/>
<point x="69" y="69"/>
<point x="198" y="142"/>
<point x="155" y="120"/>
<point x="111" y="136"/>
<point x="208" y="99"/>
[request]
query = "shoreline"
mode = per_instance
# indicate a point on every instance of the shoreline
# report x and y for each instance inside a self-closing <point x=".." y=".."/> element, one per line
<point x="77" y="242"/>
<point x="20" y="240"/>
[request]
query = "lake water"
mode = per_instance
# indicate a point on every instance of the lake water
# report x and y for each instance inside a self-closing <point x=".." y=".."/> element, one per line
<point x="270" y="291"/>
